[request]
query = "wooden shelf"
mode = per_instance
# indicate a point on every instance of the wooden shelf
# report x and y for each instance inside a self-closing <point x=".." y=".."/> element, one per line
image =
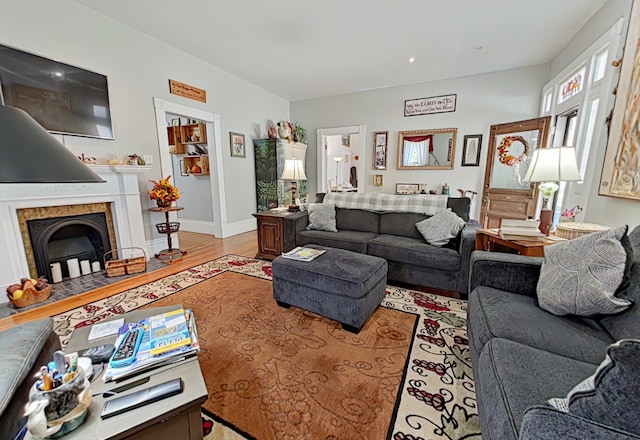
<point x="194" y="134"/>
<point x="188" y="162"/>
<point x="174" y="133"/>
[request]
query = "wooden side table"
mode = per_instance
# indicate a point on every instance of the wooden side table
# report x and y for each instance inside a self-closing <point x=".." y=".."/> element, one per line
<point x="489" y="240"/>
<point x="276" y="233"/>
<point x="168" y="228"/>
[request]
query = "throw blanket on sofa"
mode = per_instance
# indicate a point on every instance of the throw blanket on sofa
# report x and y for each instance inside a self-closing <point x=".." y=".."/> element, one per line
<point x="421" y="203"/>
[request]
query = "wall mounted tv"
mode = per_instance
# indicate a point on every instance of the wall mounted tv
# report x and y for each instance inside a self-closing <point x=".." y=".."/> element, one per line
<point x="64" y="99"/>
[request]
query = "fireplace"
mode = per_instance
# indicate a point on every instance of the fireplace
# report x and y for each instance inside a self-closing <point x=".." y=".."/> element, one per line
<point x="106" y="216"/>
<point x="58" y="239"/>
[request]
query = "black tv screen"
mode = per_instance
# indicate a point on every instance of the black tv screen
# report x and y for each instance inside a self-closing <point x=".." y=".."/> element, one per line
<point x="64" y="99"/>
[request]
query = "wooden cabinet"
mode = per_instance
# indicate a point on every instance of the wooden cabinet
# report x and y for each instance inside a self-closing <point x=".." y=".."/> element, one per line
<point x="270" y="154"/>
<point x="276" y="233"/>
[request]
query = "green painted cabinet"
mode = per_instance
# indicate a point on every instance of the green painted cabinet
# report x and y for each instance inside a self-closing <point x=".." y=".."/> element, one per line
<point x="270" y="154"/>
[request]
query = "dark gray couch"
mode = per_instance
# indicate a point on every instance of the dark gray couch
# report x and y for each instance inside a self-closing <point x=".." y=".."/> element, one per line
<point x="522" y="355"/>
<point x="394" y="237"/>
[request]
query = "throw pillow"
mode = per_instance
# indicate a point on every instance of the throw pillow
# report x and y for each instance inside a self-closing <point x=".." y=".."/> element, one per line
<point x="438" y="229"/>
<point x="581" y="276"/>
<point x="322" y="217"/>
<point x="610" y="395"/>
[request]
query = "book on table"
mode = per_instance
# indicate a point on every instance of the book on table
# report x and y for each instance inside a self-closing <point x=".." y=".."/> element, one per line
<point x="526" y="230"/>
<point x="303" y="253"/>
<point x="168" y="342"/>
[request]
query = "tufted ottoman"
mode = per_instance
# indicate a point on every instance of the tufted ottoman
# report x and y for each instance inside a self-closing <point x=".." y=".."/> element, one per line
<point x="342" y="285"/>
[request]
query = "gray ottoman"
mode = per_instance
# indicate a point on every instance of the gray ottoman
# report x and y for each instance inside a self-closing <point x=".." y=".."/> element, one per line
<point x="341" y="285"/>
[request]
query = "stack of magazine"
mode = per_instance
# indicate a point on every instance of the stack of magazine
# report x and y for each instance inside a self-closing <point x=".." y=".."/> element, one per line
<point x="168" y="337"/>
<point x="525" y="230"/>
<point x="303" y="253"/>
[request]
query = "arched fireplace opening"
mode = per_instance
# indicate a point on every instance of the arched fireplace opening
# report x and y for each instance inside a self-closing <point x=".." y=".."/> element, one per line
<point x="58" y="239"/>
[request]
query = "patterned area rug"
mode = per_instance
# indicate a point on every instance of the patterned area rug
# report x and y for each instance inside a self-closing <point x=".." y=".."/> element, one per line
<point x="436" y="397"/>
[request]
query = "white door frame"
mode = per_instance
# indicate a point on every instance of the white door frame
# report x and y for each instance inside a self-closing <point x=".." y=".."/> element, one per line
<point x="322" y="156"/>
<point x="162" y="107"/>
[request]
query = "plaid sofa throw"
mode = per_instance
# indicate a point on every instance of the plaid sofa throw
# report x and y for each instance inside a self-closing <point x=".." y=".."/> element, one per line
<point x="421" y="203"/>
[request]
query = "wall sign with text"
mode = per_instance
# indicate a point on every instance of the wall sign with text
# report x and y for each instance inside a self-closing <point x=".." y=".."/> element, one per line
<point x="187" y="91"/>
<point x="427" y="106"/>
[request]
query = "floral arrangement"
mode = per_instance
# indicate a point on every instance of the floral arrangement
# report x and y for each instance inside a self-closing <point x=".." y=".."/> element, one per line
<point x="163" y="192"/>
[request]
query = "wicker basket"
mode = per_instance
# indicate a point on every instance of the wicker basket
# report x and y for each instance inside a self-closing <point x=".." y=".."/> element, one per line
<point x="571" y="230"/>
<point x="31" y="296"/>
<point x="173" y="227"/>
<point x="125" y="266"/>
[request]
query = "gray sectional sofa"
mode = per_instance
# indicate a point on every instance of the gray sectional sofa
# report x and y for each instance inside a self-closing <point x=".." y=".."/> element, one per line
<point x="523" y="355"/>
<point x="394" y="237"/>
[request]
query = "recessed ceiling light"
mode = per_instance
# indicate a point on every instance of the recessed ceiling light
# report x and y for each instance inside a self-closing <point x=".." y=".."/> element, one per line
<point x="412" y="59"/>
<point x="478" y="48"/>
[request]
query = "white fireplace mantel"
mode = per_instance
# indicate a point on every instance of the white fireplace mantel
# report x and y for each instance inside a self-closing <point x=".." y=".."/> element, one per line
<point x="121" y="189"/>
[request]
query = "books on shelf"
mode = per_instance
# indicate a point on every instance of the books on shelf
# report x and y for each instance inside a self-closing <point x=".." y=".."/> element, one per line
<point x="145" y="360"/>
<point x="303" y="253"/>
<point x="526" y="230"/>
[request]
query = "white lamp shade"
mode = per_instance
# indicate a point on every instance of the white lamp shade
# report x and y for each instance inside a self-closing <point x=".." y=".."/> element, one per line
<point x="553" y="165"/>
<point x="293" y="170"/>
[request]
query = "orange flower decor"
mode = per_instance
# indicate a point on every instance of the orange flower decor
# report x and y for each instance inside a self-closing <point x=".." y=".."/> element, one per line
<point x="163" y="192"/>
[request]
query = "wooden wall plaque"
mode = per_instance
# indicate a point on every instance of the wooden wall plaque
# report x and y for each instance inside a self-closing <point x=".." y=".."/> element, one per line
<point x="187" y="91"/>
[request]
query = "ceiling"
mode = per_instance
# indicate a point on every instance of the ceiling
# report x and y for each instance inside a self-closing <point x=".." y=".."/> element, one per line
<point x="301" y="50"/>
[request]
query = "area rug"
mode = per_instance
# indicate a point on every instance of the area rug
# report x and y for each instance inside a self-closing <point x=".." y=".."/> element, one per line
<point x="287" y="373"/>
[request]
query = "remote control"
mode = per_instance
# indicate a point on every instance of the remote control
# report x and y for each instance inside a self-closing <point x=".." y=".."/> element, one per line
<point x="98" y="354"/>
<point x="140" y="398"/>
<point x="128" y="348"/>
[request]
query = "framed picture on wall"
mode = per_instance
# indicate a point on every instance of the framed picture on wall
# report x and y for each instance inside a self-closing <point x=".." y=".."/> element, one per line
<point x="407" y="188"/>
<point x="471" y="150"/>
<point x="183" y="170"/>
<point x="380" y="139"/>
<point x="377" y="180"/>
<point x="236" y="141"/>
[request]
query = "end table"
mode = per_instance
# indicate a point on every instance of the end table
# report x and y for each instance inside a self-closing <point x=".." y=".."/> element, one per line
<point x="168" y="228"/>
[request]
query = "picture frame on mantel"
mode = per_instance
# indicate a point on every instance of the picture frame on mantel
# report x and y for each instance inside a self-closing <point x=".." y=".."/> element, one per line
<point x="237" y="145"/>
<point x="471" y="150"/>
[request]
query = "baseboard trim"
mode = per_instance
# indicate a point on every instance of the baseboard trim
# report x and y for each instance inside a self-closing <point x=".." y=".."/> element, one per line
<point x="199" y="226"/>
<point x="240" y="227"/>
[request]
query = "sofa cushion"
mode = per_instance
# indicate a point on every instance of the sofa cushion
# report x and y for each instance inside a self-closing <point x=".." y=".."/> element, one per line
<point x="357" y="220"/>
<point x="461" y="206"/>
<point x="413" y="251"/>
<point x="510" y="377"/>
<point x="495" y="313"/>
<point x="20" y="346"/>
<point x="322" y="217"/>
<point x="581" y="276"/>
<point x="349" y="240"/>
<point x="438" y="229"/>
<point x="607" y="395"/>
<point x="401" y="223"/>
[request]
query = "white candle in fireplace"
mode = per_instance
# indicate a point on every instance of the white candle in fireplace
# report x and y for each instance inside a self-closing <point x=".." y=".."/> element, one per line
<point x="85" y="266"/>
<point x="74" y="268"/>
<point x="95" y="266"/>
<point x="56" y="272"/>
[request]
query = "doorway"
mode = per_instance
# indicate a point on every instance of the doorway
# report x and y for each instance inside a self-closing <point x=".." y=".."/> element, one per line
<point x="204" y="193"/>
<point x="341" y="157"/>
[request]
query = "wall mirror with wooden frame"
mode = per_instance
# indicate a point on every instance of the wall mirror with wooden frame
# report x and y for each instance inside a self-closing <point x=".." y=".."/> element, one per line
<point x="427" y="149"/>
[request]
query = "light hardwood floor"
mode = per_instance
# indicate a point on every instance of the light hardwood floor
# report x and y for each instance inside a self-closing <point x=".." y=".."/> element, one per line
<point x="200" y="249"/>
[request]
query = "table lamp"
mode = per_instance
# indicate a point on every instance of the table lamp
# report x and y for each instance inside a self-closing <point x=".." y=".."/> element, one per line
<point x="31" y="155"/>
<point x="551" y="165"/>
<point x="293" y="171"/>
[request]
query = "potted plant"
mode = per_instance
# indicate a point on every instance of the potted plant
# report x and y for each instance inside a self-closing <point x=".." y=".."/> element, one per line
<point x="299" y="133"/>
<point x="164" y="193"/>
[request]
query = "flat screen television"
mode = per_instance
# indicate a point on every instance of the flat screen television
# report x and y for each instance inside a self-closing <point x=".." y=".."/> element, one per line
<point x="64" y="99"/>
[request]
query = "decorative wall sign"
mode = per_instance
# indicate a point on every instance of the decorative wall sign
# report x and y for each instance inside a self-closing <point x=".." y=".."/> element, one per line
<point x="187" y="91"/>
<point x="622" y="160"/>
<point x="407" y="188"/>
<point x="427" y="106"/>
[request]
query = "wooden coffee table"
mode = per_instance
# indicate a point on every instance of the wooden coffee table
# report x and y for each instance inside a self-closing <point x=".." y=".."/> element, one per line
<point x="173" y="417"/>
<point x="489" y="240"/>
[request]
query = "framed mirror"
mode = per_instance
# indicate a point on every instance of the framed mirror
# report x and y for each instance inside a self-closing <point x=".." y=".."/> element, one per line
<point x="427" y="149"/>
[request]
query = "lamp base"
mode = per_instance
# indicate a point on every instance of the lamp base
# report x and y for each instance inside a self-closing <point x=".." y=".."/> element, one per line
<point x="294" y="208"/>
<point x="546" y="221"/>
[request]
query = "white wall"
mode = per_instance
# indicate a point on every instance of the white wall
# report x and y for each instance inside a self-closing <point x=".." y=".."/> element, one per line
<point x="138" y="68"/>
<point x="483" y="100"/>
<point x="600" y="209"/>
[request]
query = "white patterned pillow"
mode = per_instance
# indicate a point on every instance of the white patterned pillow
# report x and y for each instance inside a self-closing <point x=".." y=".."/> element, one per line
<point x="322" y="217"/>
<point x="580" y="276"/>
<point x="441" y="227"/>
